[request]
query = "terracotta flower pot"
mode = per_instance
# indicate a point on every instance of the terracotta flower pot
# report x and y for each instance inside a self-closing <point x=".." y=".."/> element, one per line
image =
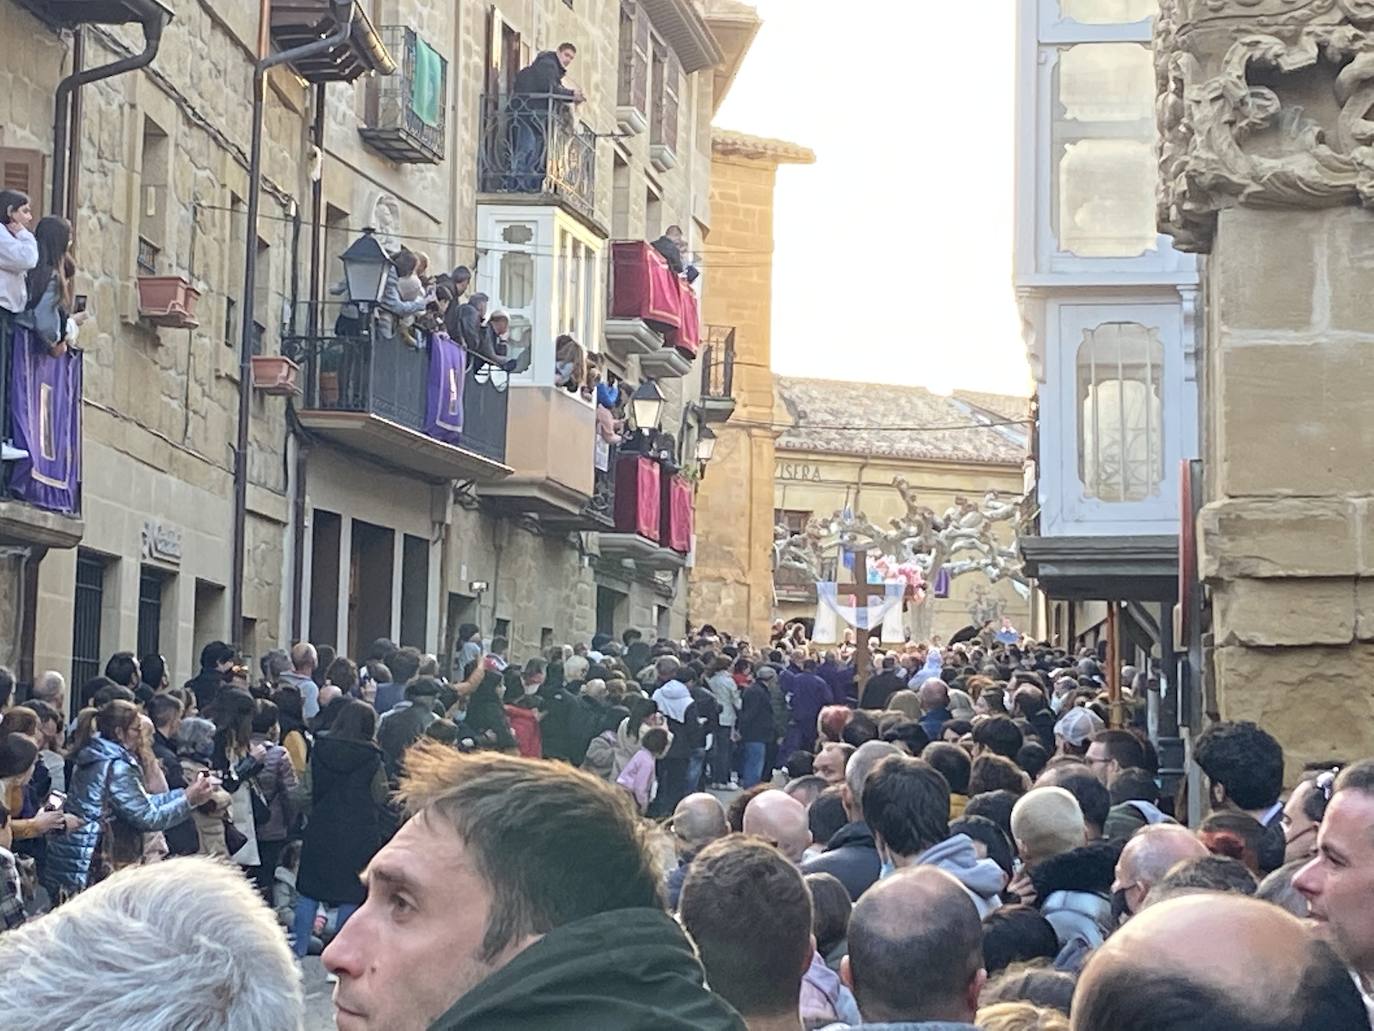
<point x="168" y="301"/>
<point x="275" y="374"/>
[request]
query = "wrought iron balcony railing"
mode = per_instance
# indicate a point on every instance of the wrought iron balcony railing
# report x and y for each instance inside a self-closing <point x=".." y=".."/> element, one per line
<point x="405" y="112"/>
<point x="718" y="363"/>
<point x="533" y="144"/>
<point x="388" y="377"/>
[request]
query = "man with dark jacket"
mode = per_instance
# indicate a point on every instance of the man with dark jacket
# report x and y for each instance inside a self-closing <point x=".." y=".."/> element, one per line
<point x="407" y="722"/>
<point x="755" y="728"/>
<point x="466" y="324"/>
<point x="216" y="660"/>
<point x="485" y="946"/>
<point x="165" y="712"/>
<point x="852" y="854"/>
<point x="671" y="245"/>
<point x="882" y="687"/>
<point x="537" y="95"/>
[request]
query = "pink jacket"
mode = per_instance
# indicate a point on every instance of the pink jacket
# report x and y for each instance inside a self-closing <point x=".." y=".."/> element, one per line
<point x="638" y="778"/>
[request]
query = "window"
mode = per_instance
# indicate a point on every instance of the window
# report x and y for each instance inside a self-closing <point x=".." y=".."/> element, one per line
<point x="653" y="215"/>
<point x="262" y="297"/>
<point x="155" y="179"/>
<point x="1120" y="432"/>
<point x="89" y="601"/>
<point x="236" y="224"/>
<point x="620" y="199"/>
<point x="667" y="75"/>
<point x="150" y="585"/>
<point x="1107" y="12"/>
<point x="632" y="84"/>
<point x="794" y="519"/>
<point x="22" y="170"/>
<point x="545" y="640"/>
<point x="1103" y="139"/>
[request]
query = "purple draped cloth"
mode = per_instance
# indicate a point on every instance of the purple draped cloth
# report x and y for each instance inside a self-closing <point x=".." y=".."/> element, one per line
<point x="45" y="407"/>
<point x="447" y="374"/>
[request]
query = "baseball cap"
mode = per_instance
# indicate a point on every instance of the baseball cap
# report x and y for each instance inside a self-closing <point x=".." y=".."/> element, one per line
<point x="1077" y="725"/>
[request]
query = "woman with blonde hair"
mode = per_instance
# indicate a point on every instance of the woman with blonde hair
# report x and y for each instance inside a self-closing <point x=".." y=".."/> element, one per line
<point x="569" y="364"/>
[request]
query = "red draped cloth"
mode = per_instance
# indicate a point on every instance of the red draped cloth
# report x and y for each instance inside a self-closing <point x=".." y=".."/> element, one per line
<point x="643" y="287"/>
<point x="637" y="496"/>
<point x="677" y="514"/>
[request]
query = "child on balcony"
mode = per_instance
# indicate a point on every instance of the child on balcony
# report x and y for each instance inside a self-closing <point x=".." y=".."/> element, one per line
<point x="570" y="364"/>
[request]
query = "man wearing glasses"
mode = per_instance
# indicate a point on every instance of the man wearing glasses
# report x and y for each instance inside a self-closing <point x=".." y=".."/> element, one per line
<point x="1303" y="812"/>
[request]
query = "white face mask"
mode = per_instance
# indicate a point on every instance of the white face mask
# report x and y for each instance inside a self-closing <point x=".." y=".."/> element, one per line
<point x="531" y="689"/>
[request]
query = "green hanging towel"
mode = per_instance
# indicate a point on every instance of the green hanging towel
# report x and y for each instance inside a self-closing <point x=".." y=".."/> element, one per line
<point x="427" y="84"/>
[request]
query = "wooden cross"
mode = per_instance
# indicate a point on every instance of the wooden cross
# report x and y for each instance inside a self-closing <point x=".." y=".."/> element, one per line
<point x="861" y="591"/>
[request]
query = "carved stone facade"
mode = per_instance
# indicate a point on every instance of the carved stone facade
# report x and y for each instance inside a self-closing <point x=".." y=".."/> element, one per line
<point x="1266" y="165"/>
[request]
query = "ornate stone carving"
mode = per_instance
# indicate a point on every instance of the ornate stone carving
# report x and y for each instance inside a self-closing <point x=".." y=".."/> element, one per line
<point x="1262" y="102"/>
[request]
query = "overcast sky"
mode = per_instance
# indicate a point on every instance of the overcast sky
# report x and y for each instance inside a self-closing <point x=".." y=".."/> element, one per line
<point x="893" y="250"/>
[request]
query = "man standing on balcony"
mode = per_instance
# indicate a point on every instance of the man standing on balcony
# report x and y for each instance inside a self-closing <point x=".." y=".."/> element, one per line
<point x="468" y="325"/>
<point x="538" y="94"/>
<point x="671" y="245"/>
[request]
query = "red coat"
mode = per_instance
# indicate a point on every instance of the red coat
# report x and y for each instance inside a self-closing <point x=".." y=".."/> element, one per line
<point x="524" y="723"/>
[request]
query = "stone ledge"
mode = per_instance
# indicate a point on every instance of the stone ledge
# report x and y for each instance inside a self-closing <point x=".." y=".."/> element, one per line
<point x="1285" y="613"/>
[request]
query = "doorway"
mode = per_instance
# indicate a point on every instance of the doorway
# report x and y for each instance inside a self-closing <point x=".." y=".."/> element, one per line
<point x="369" y="585"/>
<point x="326" y="530"/>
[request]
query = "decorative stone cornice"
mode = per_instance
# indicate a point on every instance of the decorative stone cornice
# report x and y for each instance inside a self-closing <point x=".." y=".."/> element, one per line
<point x="1263" y="103"/>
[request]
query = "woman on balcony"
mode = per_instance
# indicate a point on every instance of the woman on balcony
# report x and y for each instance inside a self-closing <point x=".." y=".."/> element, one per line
<point x="50" y="288"/>
<point x="570" y="364"/>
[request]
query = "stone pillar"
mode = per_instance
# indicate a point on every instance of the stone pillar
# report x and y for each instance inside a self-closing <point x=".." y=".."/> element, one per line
<point x="731" y="585"/>
<point x="1266" y="166"/>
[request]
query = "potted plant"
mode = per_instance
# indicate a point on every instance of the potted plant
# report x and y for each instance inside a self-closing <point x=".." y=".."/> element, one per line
<point x="168" y="301"/>
<point x="275" y="374"/>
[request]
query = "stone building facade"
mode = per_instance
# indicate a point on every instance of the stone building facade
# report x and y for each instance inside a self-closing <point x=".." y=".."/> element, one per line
<point x="1263" y="118"/>
<point x="343" y="542"/>
<point x="843" y="445"/>
<point x="732" y="583"/>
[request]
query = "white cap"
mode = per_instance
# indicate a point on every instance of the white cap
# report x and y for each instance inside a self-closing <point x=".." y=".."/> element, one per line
<point x="1078" y="724"/>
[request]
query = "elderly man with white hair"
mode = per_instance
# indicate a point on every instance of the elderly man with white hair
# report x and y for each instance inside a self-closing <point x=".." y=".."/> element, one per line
<point x="181" y="944"/>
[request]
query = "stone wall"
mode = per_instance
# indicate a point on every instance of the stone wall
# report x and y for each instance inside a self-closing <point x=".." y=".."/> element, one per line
<point x="1287" y="541"/>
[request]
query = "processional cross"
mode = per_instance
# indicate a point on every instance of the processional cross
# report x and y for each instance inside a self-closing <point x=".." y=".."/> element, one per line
<point x="861" y="590"/>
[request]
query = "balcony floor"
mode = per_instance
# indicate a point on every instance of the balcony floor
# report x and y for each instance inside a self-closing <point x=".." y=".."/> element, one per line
<point x="23" y="525"/>
<point x="405" y="449"/>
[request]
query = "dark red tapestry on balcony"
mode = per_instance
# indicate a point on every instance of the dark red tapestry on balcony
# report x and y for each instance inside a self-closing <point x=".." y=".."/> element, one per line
<point x="637" y="496"/>
<point x="45" y="406"/>
<point x="677" y="514"/>
<point x="447" y="369"/>
<point x="643" y="287"/>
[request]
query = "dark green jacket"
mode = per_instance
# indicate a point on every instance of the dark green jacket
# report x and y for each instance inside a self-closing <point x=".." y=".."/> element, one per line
<point x="630" y="970"/>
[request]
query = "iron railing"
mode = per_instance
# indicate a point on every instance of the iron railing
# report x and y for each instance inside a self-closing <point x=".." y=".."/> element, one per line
<point x="533" y="144"/>
<point x="718" y="363"/>
<point x="404" y="112"/>
<point x="388" y="377"/>
<point x="601" y="507"/>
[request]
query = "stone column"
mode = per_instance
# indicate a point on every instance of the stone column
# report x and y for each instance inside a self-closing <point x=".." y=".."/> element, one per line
<point x="1266" y="166"/>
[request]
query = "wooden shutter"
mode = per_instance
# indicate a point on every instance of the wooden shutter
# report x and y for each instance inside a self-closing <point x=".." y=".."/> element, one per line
<point x="639" y="62"/>
<point x="672" y="78"/>
<point x="22" y="170"/>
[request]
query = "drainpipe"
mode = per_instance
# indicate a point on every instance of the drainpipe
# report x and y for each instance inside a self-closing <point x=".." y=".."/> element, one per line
<point x="343" y="14"/>
<point x="154" y="19"/>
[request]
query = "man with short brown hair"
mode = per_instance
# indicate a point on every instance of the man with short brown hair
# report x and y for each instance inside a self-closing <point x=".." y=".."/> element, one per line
<point x="519" y="894"/>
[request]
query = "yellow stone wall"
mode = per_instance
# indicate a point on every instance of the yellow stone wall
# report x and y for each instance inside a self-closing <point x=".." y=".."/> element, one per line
<point x="732" y="584"/>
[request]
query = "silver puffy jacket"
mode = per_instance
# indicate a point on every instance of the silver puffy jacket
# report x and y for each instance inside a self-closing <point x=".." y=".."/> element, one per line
<point x="69" y="855"/>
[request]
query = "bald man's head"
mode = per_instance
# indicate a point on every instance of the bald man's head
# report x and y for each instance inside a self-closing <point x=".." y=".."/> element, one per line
<point x="780" y="820"/>
<point x="698" y="820"/>
<point x="1149" y="855"/>
<point x="1163" y="971"/>
<point x="915" y="950"/>
<point x="934" y="694"/>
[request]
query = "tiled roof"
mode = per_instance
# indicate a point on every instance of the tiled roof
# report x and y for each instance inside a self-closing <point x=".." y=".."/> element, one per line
<point x="880" y="420"/>
<point x="727" y="141"/>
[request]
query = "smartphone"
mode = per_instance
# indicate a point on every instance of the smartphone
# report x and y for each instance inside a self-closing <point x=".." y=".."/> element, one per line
<point x="56" y="800"/>
<point x="203" y="775"/>
<point x="79" y="304"/>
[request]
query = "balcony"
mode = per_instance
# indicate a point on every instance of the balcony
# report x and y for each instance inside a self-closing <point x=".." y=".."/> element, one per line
<point x="534" y="151"/>
<point x="296" y="23"/>
<point x="403" y="406"/>
<point x="652" y="312"/>
<point x="552" y="455"/>
<point x="41" y="502"/>
<point x="404" y="113"/>
<point x="653" y="515"/>
<point x="70" y="13"/>
<point x="718" y="374"/>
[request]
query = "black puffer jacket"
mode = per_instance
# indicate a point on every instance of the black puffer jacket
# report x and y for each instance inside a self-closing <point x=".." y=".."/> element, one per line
<point x="542" y="76"/>
<point x="1075" y="892"/>
<point x="349" y="820"/>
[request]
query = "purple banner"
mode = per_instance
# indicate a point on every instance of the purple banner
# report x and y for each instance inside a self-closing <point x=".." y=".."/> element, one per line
<point x="942" y="579"/>
<point x="45" y="402"/>
<point x="447" y="374"/>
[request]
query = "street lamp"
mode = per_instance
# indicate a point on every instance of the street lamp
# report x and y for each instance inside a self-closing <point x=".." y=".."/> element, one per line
<point x="706" y="445"/>
<point x="365" y="269"/>
<point x="647" y="405"/>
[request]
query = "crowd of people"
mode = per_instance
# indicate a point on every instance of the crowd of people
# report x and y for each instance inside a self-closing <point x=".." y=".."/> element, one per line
<point x="631" y="834"/>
